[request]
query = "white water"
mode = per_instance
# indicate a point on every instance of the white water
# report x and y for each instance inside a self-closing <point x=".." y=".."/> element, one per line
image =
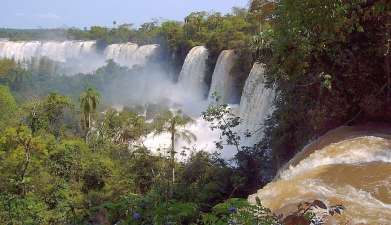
<point x="188" y="95"/>
<point x="256" y="105"/>
<point x="354" y="172"/>
<point x="192" y="76"/>
<point x="205" y="139"/>
<point x="130" y="54"/>
<point x="353" y="151"/>
<point x="56" y="51"/>
<point x="222" y="80"/>
<point x="75" y="56"/>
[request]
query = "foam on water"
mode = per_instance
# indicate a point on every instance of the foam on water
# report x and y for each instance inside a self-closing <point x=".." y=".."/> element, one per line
<point x="354" y="172"/>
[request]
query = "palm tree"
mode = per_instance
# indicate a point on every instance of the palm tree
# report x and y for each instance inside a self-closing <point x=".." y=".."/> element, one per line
<point x="89" y="101"/>
<point x="174" y="123"/>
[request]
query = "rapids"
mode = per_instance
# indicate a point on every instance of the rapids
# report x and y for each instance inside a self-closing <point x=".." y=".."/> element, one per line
<point x="349" y="166"/>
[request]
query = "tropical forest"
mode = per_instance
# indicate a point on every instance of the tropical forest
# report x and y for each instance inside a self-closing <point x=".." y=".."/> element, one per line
<point x="271" y="113"/>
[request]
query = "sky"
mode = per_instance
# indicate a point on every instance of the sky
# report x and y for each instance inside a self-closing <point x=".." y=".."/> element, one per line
<point x="85" y="13"/>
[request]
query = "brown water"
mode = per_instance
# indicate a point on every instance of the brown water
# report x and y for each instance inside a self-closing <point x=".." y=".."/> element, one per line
<point x="348" y="166"/>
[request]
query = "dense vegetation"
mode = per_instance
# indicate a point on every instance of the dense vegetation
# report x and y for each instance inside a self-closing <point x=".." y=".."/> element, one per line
<point x="330" y="62"/>
<point x="64" y="161"/>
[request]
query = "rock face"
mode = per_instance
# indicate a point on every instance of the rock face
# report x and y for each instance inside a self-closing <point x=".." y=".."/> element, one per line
<point x="222" y="80"/>
<point x="349" y="166"/>
<point x="256" y="104"/>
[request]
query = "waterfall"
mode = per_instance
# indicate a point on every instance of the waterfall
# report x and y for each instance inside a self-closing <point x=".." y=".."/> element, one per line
<point x="130" y="54"/>
<point x="256" y="104"/>
<point x="192" y="76"/>
<point x="222" y="80"/>
<point x="56" y="51"/>
<point x="349" y="166"/>
<point x="75" y="56"/>
<point x="30" y="53"/>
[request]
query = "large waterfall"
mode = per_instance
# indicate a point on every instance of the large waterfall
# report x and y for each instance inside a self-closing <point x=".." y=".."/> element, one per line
<point x="349" y="166"/>
<point x="75" y="56"/>
<point x="130" y="54"/>
<point x="192" y="76"/>
<point x="56" y="51"/>
<point x="256" y="104"/>
<point x="222" y="80"/>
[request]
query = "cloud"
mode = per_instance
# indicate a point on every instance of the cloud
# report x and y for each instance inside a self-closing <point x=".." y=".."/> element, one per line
<point x="48" y="16"/>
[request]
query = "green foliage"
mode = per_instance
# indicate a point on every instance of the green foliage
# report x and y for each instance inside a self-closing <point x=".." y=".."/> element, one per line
<point x="89" y="101"/>
<point x="329" y="61"/>
<point x="239" y="211"/>
<point x="48" y="114"/>
<point x="8" y="107"/>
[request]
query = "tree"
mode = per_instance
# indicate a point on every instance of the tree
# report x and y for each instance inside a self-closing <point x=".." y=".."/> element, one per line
<point x="89" y="101"/>
<point x="329" y="61"/>
<point x="174" y="123"/>
<point x="54" y="108"/>
<point x="8" y="106"/>
<point x="48" y="114"/>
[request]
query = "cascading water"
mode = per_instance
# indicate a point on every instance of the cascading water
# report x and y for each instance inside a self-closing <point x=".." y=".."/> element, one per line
<point x="56" y="51"/>
<point x="130" y="54"/>
<point x="222" y="80"/>
<point x="256" y="105"/>
<point x="189" y="95"/>
<point x="75" y="56"/>
<point x="67" y="52"/>
<point x="348" y="166"/>
<point x="192" y="76"/>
